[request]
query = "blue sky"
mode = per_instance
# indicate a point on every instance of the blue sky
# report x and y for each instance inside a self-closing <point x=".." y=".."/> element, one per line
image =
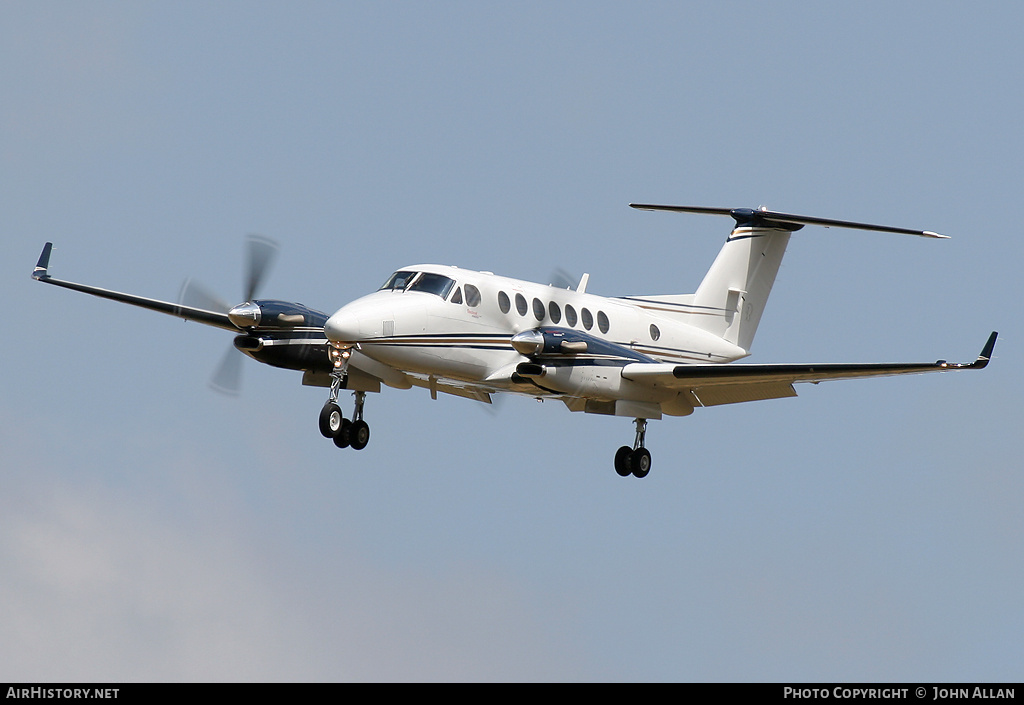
<point x="154" y="530"/>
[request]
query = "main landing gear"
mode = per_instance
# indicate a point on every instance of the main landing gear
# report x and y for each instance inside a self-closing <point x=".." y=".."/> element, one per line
<point x="353" y="434"/>
<point x="635" y="461"/>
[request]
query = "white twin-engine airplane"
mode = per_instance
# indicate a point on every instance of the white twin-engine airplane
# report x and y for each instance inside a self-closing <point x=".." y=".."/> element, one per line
<point x="474" y="334"/>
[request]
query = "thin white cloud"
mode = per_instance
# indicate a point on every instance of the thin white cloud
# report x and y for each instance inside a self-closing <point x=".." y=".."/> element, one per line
<point x="162" y="582"/>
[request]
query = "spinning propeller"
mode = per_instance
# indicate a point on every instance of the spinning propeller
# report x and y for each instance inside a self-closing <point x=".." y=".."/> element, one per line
<point x="260" y="254"/>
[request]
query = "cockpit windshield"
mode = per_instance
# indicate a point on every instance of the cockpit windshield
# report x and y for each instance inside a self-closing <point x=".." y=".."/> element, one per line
<point x="433" y="284"/>
<point x="419" y="281"/>
<point x="398" y="280"/>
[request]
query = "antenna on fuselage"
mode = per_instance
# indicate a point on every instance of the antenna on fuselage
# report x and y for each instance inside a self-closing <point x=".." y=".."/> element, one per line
<point x="582" y="288"/>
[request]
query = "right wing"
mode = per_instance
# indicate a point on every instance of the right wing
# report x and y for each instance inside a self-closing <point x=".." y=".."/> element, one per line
<point x="711" y="385"/>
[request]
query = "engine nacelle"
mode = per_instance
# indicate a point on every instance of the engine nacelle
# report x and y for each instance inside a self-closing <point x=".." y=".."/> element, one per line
<point x="291" y="351"/>
<point x="271" y="313"/>
<point x="602" y="381"/>
<point x="551" y="341"/>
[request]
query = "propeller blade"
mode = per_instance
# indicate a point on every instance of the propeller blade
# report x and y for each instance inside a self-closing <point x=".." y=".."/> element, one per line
<point x="261" y="251"/>
<point x="228" y="377"/>
<point x="497" y="402"/>
<point x="195" y="295"/>
<point x="561" y="279"/>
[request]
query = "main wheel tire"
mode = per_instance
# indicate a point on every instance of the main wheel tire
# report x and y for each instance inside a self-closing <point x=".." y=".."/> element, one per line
<point x="343" y="436"/>
<point x="622" y="466"/>
<point x="330" y="419"/>
<point x="359" y="434"/>
<point x="640" y="462"/>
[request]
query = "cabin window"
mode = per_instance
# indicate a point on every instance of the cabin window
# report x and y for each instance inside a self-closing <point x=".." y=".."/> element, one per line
<point x="538" y="309"/>
<point x="472" y="296"/>
<point x="570" y="316"/>
<point x="602" y="322"/>
<point x="521" y="305"/>
<point x="554" y="312"/>
<point x="398" y="281"/>
<point x="588" y="318"/>
<point x="655" y="333"/>
<point x="433" y="284"/>
<point x="503" y="302"/>
<point x="457" y="296"/>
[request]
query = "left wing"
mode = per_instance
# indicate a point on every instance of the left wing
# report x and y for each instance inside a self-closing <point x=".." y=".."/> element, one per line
<point x="711" y="385"/>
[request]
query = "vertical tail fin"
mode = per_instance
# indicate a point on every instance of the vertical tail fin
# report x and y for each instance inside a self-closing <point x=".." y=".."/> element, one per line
<point x="732" y="297"/>
<point x="735" y="290"/>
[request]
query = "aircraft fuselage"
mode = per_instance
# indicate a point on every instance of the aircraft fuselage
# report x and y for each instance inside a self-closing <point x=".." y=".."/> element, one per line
<point x="452" y="324"/>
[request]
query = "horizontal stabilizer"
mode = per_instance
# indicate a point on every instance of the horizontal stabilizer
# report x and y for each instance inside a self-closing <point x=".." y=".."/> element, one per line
<point x="764" y="218"/>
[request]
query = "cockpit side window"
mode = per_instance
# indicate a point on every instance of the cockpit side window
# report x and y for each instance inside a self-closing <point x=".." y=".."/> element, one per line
<point x="433" y="284"/>
<point x="398" y="281"/>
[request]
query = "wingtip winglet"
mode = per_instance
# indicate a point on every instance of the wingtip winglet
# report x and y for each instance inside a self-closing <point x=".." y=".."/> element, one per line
<point x="40" y="272"/>
<point x="986" y="352"/>
<point x="980" y="363"/>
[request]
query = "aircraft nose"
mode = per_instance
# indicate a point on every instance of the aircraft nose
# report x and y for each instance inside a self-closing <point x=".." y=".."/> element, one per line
<point x="342" y="327"/>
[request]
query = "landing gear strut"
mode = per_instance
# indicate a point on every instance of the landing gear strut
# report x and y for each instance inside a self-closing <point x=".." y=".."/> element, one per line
<point x="333" y="424"/>
<point x="634" y="461"/>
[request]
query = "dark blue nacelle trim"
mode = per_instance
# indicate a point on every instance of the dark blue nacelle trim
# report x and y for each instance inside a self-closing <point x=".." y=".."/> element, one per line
<point x="554" y="336"/>
<point x="308" y="352"/>
<point x="275" y="313"/>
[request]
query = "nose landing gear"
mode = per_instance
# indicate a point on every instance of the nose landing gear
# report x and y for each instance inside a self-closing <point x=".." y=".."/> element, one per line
<point x="635" y="461"/>
<point x="333" y="424"/>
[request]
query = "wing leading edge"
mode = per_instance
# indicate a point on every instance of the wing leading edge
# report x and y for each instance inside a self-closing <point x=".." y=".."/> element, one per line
<point x="712" y="385"/>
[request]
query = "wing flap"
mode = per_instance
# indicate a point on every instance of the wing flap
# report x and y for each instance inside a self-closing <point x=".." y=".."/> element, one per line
<point x="717" y="395"/>
<point x="466" y="390"/>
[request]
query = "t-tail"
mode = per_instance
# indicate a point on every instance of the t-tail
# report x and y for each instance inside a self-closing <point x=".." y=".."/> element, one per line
<point x="732" y="297"/>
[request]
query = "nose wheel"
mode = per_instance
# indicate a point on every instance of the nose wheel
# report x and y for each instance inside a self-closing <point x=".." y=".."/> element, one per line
<point x="353" y="434"/>
<point x="331" y="420"/>
<point x="635" y="461"/>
